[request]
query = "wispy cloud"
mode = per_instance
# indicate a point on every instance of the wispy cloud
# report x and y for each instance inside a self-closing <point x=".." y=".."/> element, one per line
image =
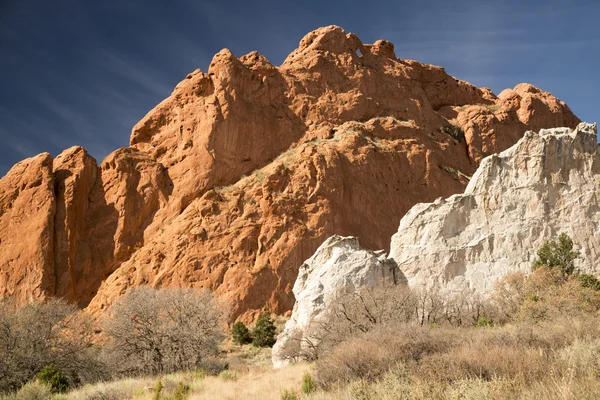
<point x="143" y="76"/>
<point x="77" y="121"/>
<point x="17" y="143"/>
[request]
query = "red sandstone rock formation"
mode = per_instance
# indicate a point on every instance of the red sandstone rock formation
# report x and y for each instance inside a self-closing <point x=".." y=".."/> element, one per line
<point x="236" y="178"/>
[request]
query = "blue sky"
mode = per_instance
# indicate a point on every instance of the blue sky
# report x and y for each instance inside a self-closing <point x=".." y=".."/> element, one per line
<point x="78" y="72"/>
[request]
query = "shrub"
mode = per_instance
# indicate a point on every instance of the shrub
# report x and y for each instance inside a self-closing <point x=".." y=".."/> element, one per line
<point x="264" y="332"/>
<point x="478" y="359"/>
<point x="200" y="373"/>
<point x="229" y="375"/>
<point x="157" y="390"/>
<point x="155" y="331"/>
<point x="36" y="335"/>
<point x="454" y="131"/>
<point x="181" y="392"/>
<point x="557" y="253"/>
<point x="288" y="395"/>
<point x="359" y="312"/>
<point x="240" y="333"/>
<point x="308" y="384"/>
<point x="369" y="355"/>
<point x="33" y="390"/>
<point x="589" y="281"/>
<point x="484" y="322"/>
<point x="52" y="376"/>
<point x="214" y="365"/>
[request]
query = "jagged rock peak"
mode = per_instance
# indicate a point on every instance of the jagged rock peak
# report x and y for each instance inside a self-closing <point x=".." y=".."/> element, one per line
<point x="334" y="40"/>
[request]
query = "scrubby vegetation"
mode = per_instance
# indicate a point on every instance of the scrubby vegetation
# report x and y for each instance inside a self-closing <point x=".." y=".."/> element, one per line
<point x="453" y="131"/>
<point x="53" y="377"/>
<point x="153" y="331"/>
<point x="37" y="335"/>
<point x="148" y="331"/>
<point x="536" y="336"/>
<point x="557" y="253"/>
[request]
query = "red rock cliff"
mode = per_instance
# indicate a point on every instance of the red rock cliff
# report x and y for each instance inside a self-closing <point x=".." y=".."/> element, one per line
<point x="236" y="178"/>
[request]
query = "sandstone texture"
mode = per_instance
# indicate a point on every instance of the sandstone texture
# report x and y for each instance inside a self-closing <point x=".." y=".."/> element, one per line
<point x="545" y="185"/>
<point x="340" y="265"/>
<point x="236" y="178"/>
<point x="27" y="208"/>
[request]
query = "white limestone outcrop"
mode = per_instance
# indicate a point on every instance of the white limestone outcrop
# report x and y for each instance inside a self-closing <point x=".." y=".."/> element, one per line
<point x="546" y="184"/>
<point x="339" y="265"/>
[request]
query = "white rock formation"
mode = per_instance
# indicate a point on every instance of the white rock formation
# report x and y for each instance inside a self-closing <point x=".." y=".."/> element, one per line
<point x="546" y="184"/>
<point x="339" y="265"/>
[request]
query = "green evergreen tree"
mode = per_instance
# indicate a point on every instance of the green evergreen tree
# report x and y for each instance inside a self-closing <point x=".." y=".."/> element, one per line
<point x="557" y="253"/>
<point x="240" y="333"/>
<point x="51" y="375"/>
<point x="264" y="332"/>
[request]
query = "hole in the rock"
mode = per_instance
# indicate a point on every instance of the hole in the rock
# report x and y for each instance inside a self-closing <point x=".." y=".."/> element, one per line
<point x="358" y="53"/>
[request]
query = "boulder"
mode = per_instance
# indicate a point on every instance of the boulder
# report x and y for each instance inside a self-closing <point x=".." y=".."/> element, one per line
<point x="340" y="265"/>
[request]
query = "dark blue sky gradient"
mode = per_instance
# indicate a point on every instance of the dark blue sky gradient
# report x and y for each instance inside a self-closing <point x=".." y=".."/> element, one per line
<point x="79" y="72"/>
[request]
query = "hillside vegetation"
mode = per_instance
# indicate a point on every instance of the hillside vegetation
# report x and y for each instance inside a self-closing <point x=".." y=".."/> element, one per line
<point x="535" y="336"/>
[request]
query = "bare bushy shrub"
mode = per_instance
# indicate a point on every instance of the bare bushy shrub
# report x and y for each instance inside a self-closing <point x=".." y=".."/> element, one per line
<point x="369" y="355"/>
<point x="546" y="294"/>
<point x="358" y="312"/>
<point x="545" y="325"/>
<point x="478" y="360"/>
<point x="362" y="311"/>
<point x="157" y="331"/>
<point x="35" y="335"/>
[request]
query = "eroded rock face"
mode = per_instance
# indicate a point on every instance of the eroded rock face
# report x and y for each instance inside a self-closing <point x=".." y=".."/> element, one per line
<point x="129" y="189"/>
<point x="546" y="184"/>
<point x="236" y="178"/>
<point x="75" y="173"/>
<point x="340" y="265"/>
<point x="27" y="208"/>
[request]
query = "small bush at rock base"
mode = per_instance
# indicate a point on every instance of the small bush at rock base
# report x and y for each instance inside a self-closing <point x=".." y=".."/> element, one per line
<point x="240" y="334"/>
<point x="52" y="376"/>
<point x="264" y="331"/>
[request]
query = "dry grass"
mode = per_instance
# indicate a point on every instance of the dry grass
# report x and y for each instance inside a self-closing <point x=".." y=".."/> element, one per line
<point x="396" y="387"/>
<point x="546" y="345"/>
<point x="260" y="383"/>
